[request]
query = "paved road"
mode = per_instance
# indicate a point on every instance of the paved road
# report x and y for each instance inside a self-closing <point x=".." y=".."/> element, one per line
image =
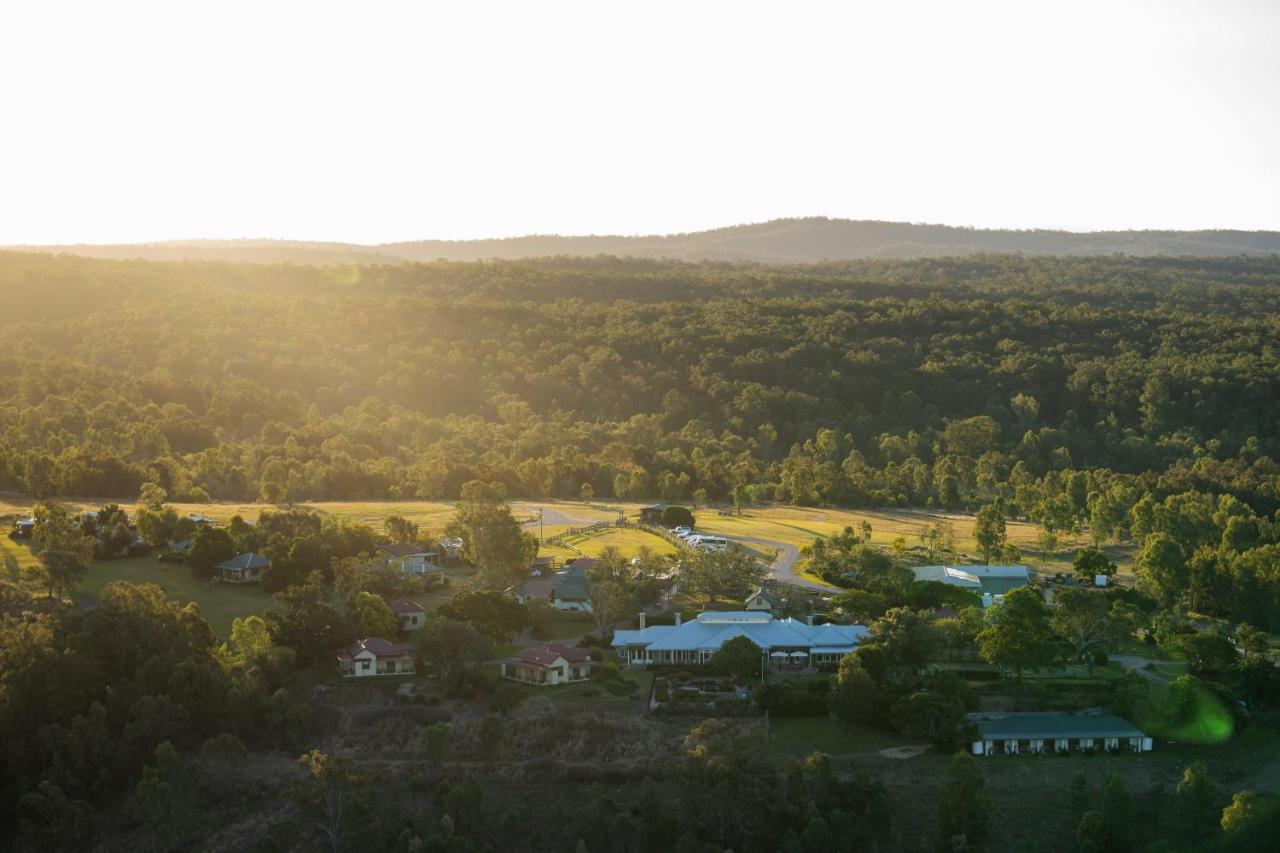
<point x="554" y="516"/>
<point x="783" y="567"/>
<point x="1138" y="665"/>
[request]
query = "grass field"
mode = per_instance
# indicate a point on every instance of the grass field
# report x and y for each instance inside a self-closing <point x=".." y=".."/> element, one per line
<point x="219" y="603"/>
<point x="799" y="526"/>
<point x="796" y="737"/>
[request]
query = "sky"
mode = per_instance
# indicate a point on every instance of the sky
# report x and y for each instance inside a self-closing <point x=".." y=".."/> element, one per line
<point x="384" y="121"/>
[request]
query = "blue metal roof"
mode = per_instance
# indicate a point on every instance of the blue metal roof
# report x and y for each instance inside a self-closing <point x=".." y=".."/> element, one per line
<point x="711" y="630"/>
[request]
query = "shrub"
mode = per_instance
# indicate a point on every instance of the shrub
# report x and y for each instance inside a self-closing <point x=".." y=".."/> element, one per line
<point x="507" y="698"/>
<point x="677" y="516"/>
<point x="621" y="686"/>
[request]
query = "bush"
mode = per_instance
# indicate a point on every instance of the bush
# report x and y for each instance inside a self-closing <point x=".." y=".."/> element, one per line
<point x="621" y="686"/>
<point x="677" y="516"/>
<point x="809" y="698"/>
<point x="506" y="699"/>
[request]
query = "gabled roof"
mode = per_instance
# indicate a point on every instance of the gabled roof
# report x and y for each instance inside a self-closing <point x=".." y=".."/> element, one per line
<point x="571" y="584"/>
<point x="243" y="562"/>
<point x="545" y="656"/>
<point x="761" y="592"/>
<point x="380" y="646"/>
<point x="405" y="605"/>
<point x="401" y="549"/>
<point x="1046" y="726"/>
<point x="996" y="580"/>
<point x="712" y="629"/>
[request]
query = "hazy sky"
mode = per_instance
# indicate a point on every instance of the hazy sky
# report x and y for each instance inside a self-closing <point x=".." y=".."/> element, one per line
<point x="379" y="121"/>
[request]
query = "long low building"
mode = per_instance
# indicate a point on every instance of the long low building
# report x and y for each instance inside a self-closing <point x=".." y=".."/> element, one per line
<point x="1015" y="733"/>
<point x="990" y="583"/>
<point x="789" y="644"/>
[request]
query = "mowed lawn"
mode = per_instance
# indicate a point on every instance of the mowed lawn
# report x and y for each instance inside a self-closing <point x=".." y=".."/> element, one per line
<point x="799" y="526"/>
<point x="219" y="603"/>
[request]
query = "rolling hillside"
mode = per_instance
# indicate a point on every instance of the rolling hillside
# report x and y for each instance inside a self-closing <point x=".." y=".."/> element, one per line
<point x="779" y="241"/>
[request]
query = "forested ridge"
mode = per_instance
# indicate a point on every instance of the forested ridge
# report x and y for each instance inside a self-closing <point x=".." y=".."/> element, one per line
<point x="796" y="240"/>
<point x="890" y="382"/>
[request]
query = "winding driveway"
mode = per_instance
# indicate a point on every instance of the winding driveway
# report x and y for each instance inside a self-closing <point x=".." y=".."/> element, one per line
<point x="783" y="567"/>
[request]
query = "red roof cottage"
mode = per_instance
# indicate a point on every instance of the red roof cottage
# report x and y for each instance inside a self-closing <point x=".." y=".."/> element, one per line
<point x="412" y="615"/>
<point x="549" y="664"/>
<point x="375" y="656"/>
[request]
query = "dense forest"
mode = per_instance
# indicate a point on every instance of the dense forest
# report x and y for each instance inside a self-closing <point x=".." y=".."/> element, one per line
<point x="807" y="240"/>
<point x="944" y="382"/>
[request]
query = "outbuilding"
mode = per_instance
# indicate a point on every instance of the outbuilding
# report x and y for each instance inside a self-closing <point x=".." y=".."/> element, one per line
<point x="1037" y="733"/>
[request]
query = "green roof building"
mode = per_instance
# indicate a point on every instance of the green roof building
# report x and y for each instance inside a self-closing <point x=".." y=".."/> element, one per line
<point x="1012" y="734"/>
<point x="991" y="583"/>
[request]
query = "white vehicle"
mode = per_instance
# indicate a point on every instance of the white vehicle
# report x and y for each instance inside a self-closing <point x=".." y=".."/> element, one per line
<point x="710" y="543"/>
<point x="682" y="532"/>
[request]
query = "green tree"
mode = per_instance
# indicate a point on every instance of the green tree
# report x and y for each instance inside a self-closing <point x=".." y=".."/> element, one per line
<point x="1083" y="618"/>
<point x="306" y="620"/>
<point x="739" y="658"/>
<point x="494" y="614"/>
<point x="152" y="496"/>
<point x="400" y="529"/>
<point x="449" y="644"/>
<point x="332" y="794"/>
<point x="373" y="617"/>
<point x="677" y="516"/>
<point x="1091" y="562"/>
<point x="1238" y="814"/>
<point x="989" y="531"/>
<point x="963" y="809"/>
<point x="1196" y="797"/>
<point x="906" y="637"/>
<point x="587" y="492"/>
<point x="1162" y="567"/>
<point x="492" y="538"/>
<point x="209" y="547"/>
<point x="722" y="574"/>
<point x="860" y="605"/>
<point x="932" y="717"/>
<point x="1018" y="634"/>
<point x="64" y="552"/>
<point x="855" y="698"/>
<point x="741" y="496"/>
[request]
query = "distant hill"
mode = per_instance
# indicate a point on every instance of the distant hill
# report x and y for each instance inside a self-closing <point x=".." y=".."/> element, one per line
<point x="779" y="241"/>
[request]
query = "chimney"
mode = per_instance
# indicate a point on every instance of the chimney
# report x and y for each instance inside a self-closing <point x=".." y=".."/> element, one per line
<point x="677" y="618"/>
<point x="809" y="620"/>
<point x="641" y="620"/>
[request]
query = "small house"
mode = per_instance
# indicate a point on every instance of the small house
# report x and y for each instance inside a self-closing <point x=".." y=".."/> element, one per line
<point x="242" y="568"/>
<point x="375" y="656"/>
<point x="548" y="665"/>
<point x="412" y="615"/>
<point x="413" y="561"/>
<point x="571" y="586"/>
<point x="762" y="600"/>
